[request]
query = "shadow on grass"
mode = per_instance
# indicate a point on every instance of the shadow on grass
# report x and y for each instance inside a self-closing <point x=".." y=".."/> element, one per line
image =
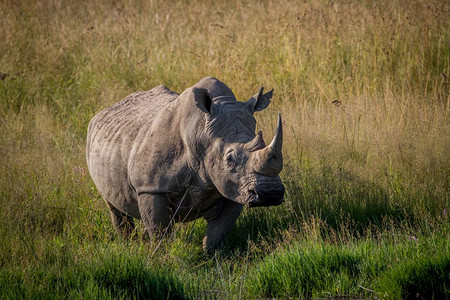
<point x="422" y="278"/>
<point x="108" y="276"/>
<point x="339" y="202"/>
<point x="363" y="270"/>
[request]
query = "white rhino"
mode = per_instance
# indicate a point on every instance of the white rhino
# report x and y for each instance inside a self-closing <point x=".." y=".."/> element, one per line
<point x="162" y="157"/>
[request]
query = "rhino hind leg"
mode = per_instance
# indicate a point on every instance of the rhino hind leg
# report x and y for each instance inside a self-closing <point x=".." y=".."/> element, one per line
<point x="220" y="224"/>
<point x="123" y="223"/>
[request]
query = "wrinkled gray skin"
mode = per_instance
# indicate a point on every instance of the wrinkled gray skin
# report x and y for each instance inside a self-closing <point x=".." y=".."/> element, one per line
<point x="158" y="156"/>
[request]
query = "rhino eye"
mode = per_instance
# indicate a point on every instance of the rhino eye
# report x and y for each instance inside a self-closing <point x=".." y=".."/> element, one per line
<point x="230" y="159"/>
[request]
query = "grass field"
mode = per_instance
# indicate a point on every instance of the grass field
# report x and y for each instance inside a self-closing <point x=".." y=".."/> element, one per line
<point x="363" y="88"/>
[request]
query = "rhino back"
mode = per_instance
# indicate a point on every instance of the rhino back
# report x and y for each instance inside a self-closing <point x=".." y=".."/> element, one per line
<point x="112" y="135"/>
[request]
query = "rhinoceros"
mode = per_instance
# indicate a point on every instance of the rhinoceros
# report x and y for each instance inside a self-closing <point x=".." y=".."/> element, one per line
<point x="164" y="157"/>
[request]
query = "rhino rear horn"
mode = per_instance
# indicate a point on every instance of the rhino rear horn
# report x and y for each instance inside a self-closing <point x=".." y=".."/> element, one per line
<point x="259" y="101"/>
<point x="256" y="143"/>
<point x="271" y="158"/>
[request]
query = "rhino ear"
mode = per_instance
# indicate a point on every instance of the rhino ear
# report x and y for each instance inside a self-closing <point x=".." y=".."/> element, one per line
<point x="259" y="101"/>
<point x="203" y="100"/>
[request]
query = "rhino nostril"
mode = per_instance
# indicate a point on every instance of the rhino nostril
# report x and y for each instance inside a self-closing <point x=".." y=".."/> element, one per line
<point x="255" y="199"/>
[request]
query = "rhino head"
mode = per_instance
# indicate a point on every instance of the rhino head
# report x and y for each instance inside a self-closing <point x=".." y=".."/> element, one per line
<point x="237" y="161"/>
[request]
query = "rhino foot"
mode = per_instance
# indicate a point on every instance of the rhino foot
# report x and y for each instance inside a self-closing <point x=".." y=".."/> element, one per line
<point x="123" y="223"/>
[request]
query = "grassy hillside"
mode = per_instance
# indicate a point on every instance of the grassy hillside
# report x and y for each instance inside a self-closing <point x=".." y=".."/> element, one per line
<point x="363" y="88"/>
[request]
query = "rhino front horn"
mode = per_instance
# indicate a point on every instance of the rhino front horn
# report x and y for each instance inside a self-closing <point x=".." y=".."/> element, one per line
<point x="271" y="158"/>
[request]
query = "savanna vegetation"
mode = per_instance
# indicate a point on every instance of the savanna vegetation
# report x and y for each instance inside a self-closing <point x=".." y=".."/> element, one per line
<point x="363" y="88"/>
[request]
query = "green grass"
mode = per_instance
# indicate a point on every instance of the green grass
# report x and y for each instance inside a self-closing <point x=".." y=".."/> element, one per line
<point x="392" y="268"/>
<point x="111" y="272"/>
<point x="367" y="176"/>
<point x="423" y="277"/>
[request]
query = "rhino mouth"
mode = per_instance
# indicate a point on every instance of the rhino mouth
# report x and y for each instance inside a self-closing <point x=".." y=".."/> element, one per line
<point x="259" y="197"/>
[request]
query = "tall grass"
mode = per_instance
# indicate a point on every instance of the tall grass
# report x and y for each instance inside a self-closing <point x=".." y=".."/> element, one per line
<point x="363" y="88"/>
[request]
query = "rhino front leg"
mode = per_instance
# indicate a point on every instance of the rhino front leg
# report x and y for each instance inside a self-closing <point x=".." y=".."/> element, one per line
<point x="220" y="224"/>
<point x="155" y="213"/>
<point x="123" y="223"/>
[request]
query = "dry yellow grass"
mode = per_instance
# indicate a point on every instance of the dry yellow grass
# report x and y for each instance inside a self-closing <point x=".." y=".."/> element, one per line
<point x="363" y="88"/>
